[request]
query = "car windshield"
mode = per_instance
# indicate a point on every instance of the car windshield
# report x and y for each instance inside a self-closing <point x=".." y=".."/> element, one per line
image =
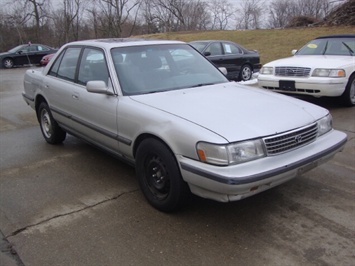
<point x="158" y="68"/>
<point x="17" y="48"/>
<point x="329" y="46"/>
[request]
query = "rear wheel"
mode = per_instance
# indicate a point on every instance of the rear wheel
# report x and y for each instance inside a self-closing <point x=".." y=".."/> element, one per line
<point x="348" y="97"/>
<point x="8" y="63"/>
<point x="245" y="73"/>
<point x="159" y="176"/>
<point x="51" y="131"/>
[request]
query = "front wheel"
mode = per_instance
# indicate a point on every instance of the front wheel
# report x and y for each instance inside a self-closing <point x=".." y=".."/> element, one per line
<point x="159" y="176"/>
<point x="245" y="73"/>
<point x="348" y="97"/>
<point x="8" y="63"/>
<point x="51" y="131"/>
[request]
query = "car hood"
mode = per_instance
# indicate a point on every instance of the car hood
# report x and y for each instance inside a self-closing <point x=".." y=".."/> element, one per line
<point x="235" y="112"/>
<point x="314" y="61"/>
<point x="4" y="53"/>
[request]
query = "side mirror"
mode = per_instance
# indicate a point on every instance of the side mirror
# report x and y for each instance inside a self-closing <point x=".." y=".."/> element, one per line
<point x="20" y="52"/>
<point x="223" y="70"/>
<point x="206" y="53"/>
<point x="98" y="86"/>
<point x="294" y="51"/>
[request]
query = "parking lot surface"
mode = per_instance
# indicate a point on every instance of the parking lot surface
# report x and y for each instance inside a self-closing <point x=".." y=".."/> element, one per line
<point x="72" y="204"/>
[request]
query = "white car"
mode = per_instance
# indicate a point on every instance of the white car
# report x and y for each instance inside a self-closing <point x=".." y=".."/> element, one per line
<point x="164" y="108"/>
<point x="323" y="67"/>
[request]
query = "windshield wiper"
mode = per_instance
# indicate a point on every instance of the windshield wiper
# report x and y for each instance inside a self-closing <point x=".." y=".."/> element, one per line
<point x="202" y="84"/>
<point x="350" y="50"/>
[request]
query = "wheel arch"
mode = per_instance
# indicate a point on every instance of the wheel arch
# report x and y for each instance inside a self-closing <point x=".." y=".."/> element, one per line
<point x="38" y="100"/>
<point x="351" y="76"/>
<point x="145" y="136"/>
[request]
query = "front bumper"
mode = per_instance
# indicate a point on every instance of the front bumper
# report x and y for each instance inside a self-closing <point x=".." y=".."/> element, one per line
<point x="236" y="182"/>
<point x="315" y="86"/>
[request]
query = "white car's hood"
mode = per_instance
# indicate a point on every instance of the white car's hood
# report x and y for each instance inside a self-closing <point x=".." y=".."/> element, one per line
<point x="314" y="61"/>
<point x="235" y="112"/>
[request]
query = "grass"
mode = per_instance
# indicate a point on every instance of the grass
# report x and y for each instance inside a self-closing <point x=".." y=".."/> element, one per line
<point x="271" y="43"/>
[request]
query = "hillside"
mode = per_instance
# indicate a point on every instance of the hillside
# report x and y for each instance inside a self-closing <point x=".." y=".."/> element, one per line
<point x="271" y="43"/>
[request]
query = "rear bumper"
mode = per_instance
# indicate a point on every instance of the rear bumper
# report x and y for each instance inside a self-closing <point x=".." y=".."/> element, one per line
<point x="236" y="182"/>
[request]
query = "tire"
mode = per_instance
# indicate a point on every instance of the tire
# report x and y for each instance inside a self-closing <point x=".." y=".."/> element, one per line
<point x="51" y="131"/>
<point x="245" y="73"/>
<point x="8" y="63"/>
<point x="159" y="176"/>
<point x="348" y="96"/>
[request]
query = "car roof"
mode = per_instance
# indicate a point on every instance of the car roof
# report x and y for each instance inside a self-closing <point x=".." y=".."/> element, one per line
<point x="207" y="41"/>
<point x="337" y="36"/>
<point x="121" y="42"/>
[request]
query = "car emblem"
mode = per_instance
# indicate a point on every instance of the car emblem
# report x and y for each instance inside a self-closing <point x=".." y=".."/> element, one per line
<point x="298" y="139"/>
<point x="290" y="71"/>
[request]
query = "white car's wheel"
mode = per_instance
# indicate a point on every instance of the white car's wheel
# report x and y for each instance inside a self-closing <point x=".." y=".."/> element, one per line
<point x="348" y="96"/>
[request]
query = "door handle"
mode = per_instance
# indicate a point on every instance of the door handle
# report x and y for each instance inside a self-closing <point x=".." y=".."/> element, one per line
<point x="75" y="96"/>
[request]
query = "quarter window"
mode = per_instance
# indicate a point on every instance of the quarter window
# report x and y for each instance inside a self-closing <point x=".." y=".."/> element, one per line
<point x="231" y="49"/>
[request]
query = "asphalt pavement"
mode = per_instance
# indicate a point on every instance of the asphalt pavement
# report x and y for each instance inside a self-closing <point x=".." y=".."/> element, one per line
<point x="73" y="204"/>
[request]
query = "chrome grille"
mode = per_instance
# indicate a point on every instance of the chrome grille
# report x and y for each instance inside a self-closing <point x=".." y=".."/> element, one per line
<point x="289" y="71"/>
<point x="290" y="140"/>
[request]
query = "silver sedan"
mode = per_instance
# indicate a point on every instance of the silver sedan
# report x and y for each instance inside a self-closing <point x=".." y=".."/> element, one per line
<point x="164" y="108"/>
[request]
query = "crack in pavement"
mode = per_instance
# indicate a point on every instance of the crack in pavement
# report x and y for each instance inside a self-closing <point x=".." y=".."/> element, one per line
<point x="68" y="213"/>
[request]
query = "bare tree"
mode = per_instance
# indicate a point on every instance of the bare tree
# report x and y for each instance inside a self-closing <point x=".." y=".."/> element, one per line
<point x="280" y="12"/>
<point x="250" y="14"/>
<point x="71" y="17"/>
<point x="221" y="12"/>
<point x="314" y="8"/>
<point x="177" y="15"/>
<point x="33" y="13"/>
<point x="115" y="13"/>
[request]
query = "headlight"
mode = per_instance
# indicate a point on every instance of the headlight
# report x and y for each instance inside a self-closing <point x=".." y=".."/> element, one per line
<point x="332" y="73"/>
<point x="325" y="124"/>
<point x="232" y="153"/>
<point x="265" y="70"/>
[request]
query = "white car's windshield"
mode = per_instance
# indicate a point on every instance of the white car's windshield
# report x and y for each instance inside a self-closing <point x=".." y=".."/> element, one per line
<point x="150" y="69"/>
<point x="329" y="46"/>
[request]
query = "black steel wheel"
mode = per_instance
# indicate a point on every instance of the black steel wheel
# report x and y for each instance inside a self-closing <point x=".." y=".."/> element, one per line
<point x="51" y="131"/>
<point x="159" y="176"/>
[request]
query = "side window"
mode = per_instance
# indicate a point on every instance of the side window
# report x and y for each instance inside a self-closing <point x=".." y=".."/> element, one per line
<point x="68" y="64"/>
<point x="231" y="49"/>
<point x="54" y="69"/>
<point x="32" y="48"/>
<point x="92" y="66"/>
<point x="215" y="48"/>
<point x="42" y="48"/>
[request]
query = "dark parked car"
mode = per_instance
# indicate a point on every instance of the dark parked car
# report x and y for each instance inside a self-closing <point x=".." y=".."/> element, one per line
<point x="25" y="54"/>
<point x="239" y="61"/>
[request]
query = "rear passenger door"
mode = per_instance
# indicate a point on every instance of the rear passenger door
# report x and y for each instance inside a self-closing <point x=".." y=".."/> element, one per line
<point x="91" y="116"/>
<point x="233" y="59"/>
